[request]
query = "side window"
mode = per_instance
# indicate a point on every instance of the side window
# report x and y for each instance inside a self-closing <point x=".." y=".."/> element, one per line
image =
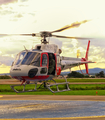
<point x="44" y="60"/>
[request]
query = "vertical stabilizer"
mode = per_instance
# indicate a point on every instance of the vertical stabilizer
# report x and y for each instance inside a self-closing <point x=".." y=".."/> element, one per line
<point x="86" y="56"/>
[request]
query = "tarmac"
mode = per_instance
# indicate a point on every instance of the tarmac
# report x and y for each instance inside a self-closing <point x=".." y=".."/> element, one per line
<point x="52" y="107"/>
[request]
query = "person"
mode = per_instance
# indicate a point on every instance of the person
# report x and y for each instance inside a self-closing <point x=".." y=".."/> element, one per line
<point x="51" y="64"/>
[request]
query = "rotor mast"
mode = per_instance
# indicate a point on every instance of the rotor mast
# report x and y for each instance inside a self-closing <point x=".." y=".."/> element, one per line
<point x="45" y="34"/>
<point x="44" y="41"/>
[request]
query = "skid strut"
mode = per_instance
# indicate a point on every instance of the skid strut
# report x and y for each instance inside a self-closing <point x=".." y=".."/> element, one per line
<point x="57" y="87"/>
<point x="24" y="85"/>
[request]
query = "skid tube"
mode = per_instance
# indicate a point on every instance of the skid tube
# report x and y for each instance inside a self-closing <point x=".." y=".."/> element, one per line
<point x="56" y="84"/>
<point x="35" y="89"/>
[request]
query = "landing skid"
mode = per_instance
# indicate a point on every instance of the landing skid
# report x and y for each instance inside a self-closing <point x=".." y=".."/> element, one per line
<point x="24" y="85"/>
<point x="57" y="86"/>
<point x="46" y="84"/>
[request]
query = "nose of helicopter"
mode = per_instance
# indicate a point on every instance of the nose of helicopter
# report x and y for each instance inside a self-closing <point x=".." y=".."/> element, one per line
<point x="23" y="71"/>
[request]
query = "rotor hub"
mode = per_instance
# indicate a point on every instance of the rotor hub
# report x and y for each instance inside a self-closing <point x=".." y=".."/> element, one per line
<point x="45" y="34"/>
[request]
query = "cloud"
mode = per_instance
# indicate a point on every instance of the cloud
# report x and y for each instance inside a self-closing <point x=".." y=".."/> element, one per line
<point x="7" y="1"/>
<point x="16" y="17"/>
<point x="7" y="60"/>
<point x="6" y="12"/>
<point x="56" y="41"/>
<point x="10" y="14"/>
<point x="4" y="68"/>
<point x="33" y="13"/>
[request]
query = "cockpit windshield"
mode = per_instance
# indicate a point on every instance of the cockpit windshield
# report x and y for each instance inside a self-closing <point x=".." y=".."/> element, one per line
<point x="28" y="58"/>
<point x="19" y="57"/>
<point x="31" y="58"/>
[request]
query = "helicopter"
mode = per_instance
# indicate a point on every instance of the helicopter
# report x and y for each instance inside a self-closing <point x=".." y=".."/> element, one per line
<point x="42" y="63"/>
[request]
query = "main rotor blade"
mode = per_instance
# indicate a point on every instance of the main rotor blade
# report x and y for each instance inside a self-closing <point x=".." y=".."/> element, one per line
<point x="24" y="34"/>
<point x="76" y="24"/>
<point x="3" y="35"/>
<point x="69" y="37"/>
<point x="33" y="34"/>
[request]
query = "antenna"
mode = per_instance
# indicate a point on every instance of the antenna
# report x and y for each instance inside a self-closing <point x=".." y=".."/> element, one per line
<point x="25" y="48"/>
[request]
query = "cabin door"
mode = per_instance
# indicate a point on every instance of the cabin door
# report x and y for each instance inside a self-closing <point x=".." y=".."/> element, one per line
<point x="44" y="63"/>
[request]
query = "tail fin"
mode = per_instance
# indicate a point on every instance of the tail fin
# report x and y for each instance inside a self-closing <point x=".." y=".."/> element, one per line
<point x="86" y="58"/>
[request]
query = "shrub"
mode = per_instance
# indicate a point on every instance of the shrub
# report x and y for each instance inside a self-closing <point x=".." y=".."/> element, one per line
<point x="5" y="77"/>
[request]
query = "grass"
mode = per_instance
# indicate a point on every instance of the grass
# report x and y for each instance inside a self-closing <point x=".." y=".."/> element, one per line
<point x="87" y="87"/>
<point x="76" y="92"/>
<point x="82" y="80"/>
<point x="81" y="89"/>
<point x="77" y="80"/>
<point x="76" y="89"/>
<point x="82" y="92"/>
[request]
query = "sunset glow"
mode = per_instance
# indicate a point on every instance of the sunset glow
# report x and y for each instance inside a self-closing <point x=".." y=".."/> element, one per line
<point x="33" y="16"/>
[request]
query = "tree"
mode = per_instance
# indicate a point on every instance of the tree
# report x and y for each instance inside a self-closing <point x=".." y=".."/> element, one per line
<point x="75" y="74"/>
<point x="100" y="74"/>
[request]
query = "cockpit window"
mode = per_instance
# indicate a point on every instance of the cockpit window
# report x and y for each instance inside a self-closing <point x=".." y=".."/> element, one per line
<point x="31" y="58"/>
<point x="19" y="58"/>
<point x="44" y="60"/>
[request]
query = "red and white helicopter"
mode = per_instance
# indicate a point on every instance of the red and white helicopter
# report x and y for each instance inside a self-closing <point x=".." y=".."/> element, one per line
<point x="43" y="63"/>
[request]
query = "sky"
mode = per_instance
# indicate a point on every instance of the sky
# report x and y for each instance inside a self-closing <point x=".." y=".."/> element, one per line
<point x="33" y="16"/>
